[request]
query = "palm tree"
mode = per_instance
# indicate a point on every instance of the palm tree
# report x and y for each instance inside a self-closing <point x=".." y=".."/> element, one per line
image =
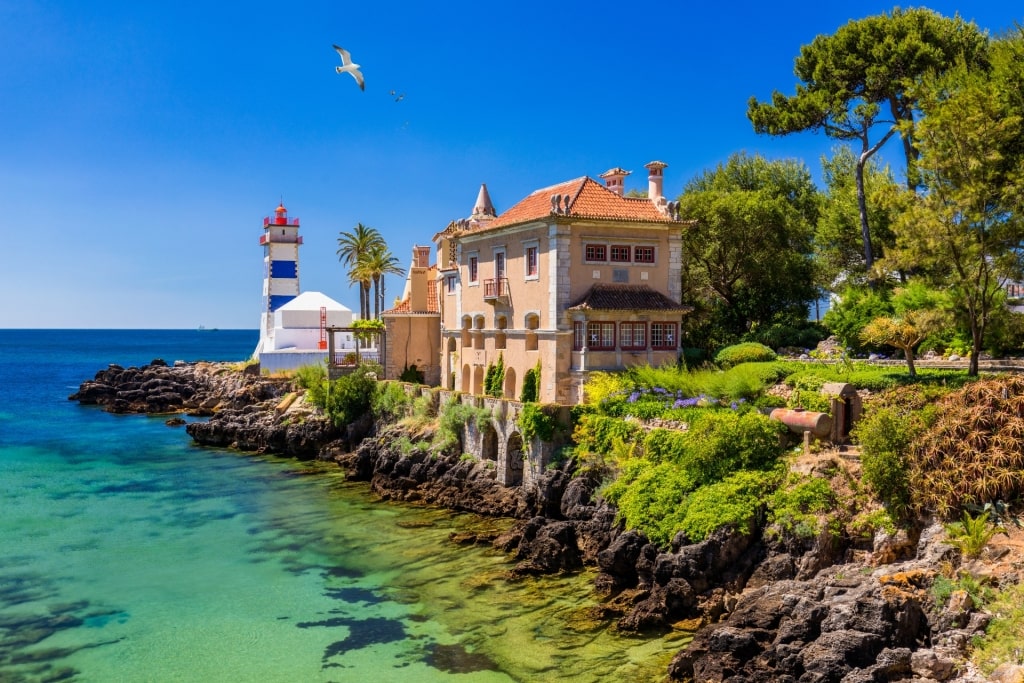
<point x="378" y="262"/>
<point x="359" y="275"/>
<point x="352" y="246"/>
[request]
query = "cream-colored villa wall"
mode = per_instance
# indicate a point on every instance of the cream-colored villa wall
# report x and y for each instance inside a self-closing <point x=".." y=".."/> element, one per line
<point x="583" y="273"/>
<point x="476" y="331"/>
<point x="413" y="340"/>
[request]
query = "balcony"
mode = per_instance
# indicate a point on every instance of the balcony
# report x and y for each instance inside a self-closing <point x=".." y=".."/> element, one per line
<point x="495" y="290"/>
<point x="266" y="238"/>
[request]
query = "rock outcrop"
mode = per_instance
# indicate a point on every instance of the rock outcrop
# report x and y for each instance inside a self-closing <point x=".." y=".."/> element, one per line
<point x="765" y="608"/>
<point x="193" y="388"/>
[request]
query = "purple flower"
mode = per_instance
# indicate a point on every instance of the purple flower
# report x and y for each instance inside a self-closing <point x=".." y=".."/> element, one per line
<point x="633" y="397"/>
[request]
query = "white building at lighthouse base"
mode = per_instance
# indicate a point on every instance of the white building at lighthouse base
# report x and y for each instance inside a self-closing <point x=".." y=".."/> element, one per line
<point x="293" y="335"/>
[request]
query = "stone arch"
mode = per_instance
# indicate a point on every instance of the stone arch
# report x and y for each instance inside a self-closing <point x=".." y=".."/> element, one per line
<point x="514" y="460"/>
<point x="500" y="322"/>
<point x="478" y="380"/>
<point x="489" y="443"/>
<point x="479" y="322"/>
<point x="510" y="383"/>
<point x="532" y="322"/>
<point x="466" y="377"/>
<point x="450" y="363"/>
<point x="467" y="324"/>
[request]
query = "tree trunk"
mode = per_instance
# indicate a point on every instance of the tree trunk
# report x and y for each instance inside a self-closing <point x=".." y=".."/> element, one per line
<point x="909" y="355"/>
<point x="862" y="207"/>
<point x="376" y="298"/>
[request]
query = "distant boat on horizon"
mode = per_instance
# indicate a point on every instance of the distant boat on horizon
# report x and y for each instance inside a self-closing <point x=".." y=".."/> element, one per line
<point x="203" y="328"/>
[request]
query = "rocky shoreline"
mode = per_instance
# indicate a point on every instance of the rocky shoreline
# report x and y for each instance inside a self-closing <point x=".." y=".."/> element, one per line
<point x="764" y="608"/>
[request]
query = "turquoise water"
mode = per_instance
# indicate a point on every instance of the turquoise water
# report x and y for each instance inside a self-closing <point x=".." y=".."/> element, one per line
<point x="128" y="554"/>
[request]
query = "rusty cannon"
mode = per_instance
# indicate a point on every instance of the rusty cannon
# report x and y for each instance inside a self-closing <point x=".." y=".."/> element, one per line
<point x="804" y="421"/>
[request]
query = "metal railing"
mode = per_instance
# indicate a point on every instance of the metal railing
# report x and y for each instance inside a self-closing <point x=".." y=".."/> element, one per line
<point x="496" y="288"/>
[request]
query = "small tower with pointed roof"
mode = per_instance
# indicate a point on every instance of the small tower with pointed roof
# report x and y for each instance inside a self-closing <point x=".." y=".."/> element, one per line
<point x="483" y="209"/>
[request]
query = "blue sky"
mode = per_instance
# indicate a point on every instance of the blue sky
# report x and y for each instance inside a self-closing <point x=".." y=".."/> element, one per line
<point x="142" y="143"/>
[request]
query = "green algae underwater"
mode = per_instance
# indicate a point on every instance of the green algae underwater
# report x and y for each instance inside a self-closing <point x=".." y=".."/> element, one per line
<point x="128" y="554"/>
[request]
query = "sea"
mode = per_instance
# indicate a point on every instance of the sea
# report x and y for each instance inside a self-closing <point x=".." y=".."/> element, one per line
<point x="127" y="553"/>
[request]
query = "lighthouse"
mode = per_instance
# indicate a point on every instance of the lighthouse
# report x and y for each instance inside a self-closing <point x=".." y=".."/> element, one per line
<point x="280" y="241"/>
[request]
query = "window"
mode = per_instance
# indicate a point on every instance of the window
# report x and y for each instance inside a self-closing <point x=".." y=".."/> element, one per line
<point x="601" y="336"/>
<point x="577" y="335"/>
<point x="450" y="283"/>
<point x="596" y="252"/>
<point x="620" y="253"/>
<point x="633" y="335"/>
<point x="474" y="269"/>
<point x="499" y="264"/>
<point x="663" y="335"/>
<point x="531" y="262"/>
<point x="643" y="255"/>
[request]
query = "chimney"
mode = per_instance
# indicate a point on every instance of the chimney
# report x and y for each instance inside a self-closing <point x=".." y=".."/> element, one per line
<point x="417" y="282"/>
<point x="655" y="181"/>
<point x="614" y="178"/>
<point x="421" y="257"/>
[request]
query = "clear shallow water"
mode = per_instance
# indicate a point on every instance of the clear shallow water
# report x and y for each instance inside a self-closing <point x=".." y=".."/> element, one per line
<point x="127" y="554"/>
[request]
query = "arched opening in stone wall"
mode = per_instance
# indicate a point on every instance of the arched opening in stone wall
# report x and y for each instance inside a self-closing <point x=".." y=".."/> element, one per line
<point x="478" y="380"/>
<point x="510" y="383"/>
<point x="514" y="457"/>
<point x="452" y="363"/>
<point x="489" y="443"/>
<point x="466" y="378"/>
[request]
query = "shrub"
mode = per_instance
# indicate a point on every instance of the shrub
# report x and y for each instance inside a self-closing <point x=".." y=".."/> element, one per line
<point x="798" y="507"/>
<point x="885" y="436"/>
<point x="719" y="442"/>
<point x="348" y="397"/>
<point x="391" y="402"/>
<point x="309" y="376"/>
<point x="735" y="502"/>
<point x="855" y="308"/>
<point x="411" y="374"/>
<point x="974" y="586"/>
<point x="531" y="385"/>
<point x="538" y="421"/>
<point x="494" y="380"/>
<point x="971" y="534"/>
<point x="803" y="334"/>
<point x="969" y="452"/>
<point x="453" y="417"/>
<point x="595" y="433"/>
<point x="650" y="498"/>
<point x="745" y="352"/>
<point x="1005" y="633"/>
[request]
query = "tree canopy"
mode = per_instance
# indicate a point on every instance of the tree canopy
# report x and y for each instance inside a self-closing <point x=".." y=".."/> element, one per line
<point x="857" y="85"/>
<point x="748" y="255"/>
<point x="353" y="249"/>
<point x="965" y="231"/>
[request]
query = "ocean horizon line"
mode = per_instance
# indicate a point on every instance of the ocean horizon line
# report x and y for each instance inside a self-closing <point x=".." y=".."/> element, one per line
<point x="120" y="329"/>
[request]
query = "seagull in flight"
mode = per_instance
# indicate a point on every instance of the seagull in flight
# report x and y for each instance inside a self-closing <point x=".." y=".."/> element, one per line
<point x="350" y="67"/>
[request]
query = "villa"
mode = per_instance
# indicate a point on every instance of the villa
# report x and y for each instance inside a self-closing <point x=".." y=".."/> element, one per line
<point x="575" y="277"/>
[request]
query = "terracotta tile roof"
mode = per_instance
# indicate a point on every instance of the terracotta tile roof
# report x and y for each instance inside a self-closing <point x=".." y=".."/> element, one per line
<point x="433" y="306"/>
<point x="603" y="297"/>
<point x="587" y="199"/>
